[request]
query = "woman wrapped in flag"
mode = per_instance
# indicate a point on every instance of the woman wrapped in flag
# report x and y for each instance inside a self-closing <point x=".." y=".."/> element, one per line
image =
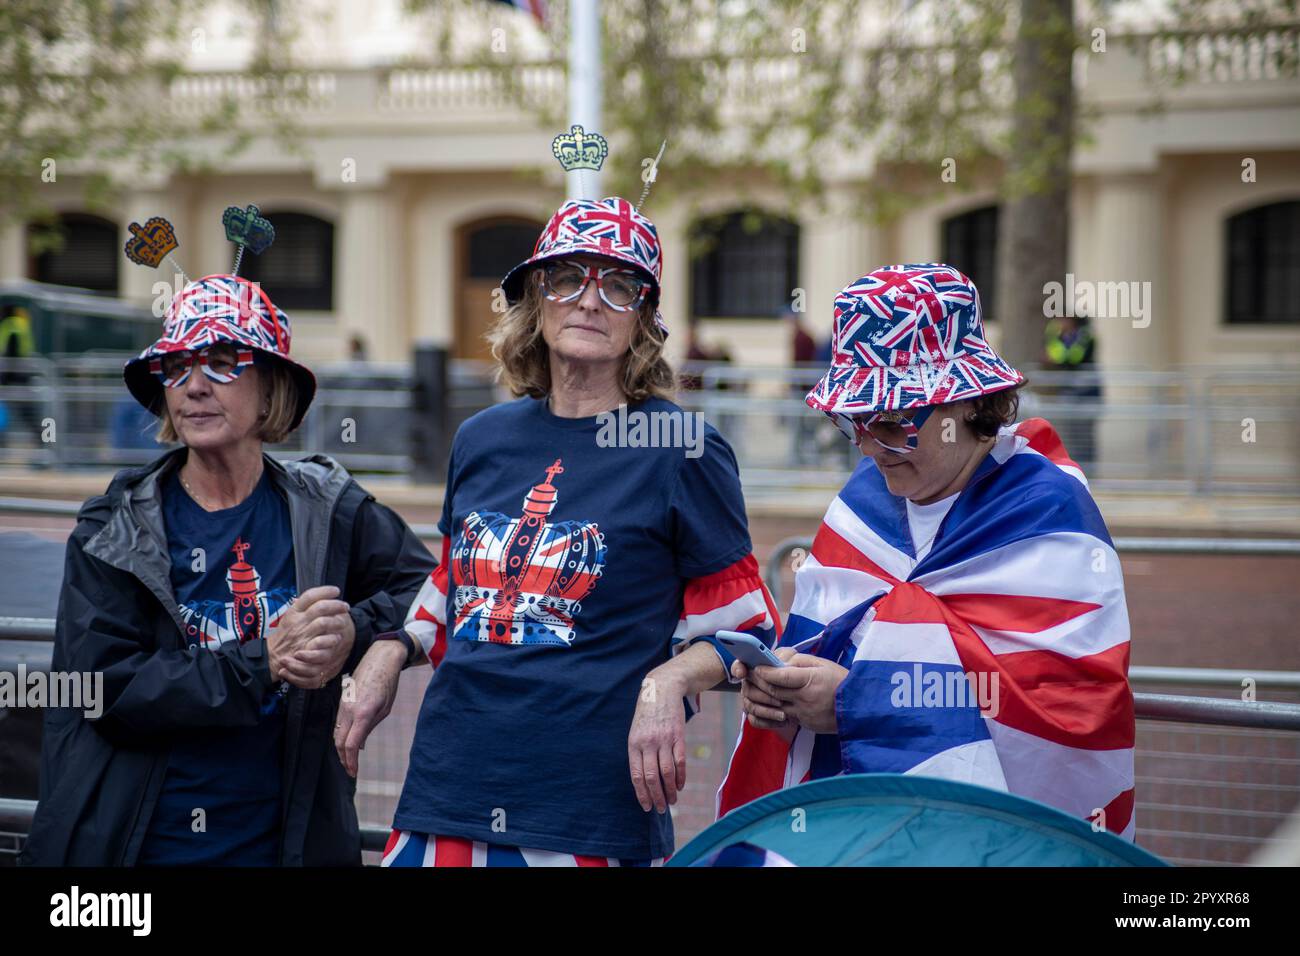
<point x="962" y="612"/>
<point x="595" y="540"/>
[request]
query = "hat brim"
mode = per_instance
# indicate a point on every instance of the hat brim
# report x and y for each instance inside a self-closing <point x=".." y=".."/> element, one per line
<point x="148" y="391"/>
<point x="858" y="389"/>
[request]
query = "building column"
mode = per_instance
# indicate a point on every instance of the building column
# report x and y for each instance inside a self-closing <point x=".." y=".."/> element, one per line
<point x="836" y="245"/>
<point x="430" y="269"/>
<point x="368" y="261"/>
<point x="13" y="251"/>
<point x="675" y="269"/>
<point x="1128" y="248"/>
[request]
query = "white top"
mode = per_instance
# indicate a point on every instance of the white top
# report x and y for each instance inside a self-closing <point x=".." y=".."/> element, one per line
<point x="924" y="521"/>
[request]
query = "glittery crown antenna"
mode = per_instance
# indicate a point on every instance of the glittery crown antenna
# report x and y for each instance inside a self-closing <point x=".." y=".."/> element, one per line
<point x="247" y="229"/>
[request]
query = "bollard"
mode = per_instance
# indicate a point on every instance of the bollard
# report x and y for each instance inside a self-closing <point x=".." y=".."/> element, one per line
<point x="430" y="440"/>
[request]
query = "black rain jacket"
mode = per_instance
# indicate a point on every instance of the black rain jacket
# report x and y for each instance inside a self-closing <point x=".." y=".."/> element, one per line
<point x="101" y="778"/>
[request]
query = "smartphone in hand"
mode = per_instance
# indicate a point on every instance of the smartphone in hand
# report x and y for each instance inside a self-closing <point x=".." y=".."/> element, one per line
<point x="748" y="649"/>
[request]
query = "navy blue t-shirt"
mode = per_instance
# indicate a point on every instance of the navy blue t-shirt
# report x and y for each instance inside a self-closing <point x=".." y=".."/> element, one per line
<point x="568" y="563"/>
<point x="245" y="582"/>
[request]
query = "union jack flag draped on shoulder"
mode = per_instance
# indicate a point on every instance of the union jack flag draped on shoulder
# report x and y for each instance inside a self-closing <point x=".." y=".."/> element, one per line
<point x="1020" y="593"/>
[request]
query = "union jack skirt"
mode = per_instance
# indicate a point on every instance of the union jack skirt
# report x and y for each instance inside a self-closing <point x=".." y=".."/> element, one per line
<point x="407" y="848"/>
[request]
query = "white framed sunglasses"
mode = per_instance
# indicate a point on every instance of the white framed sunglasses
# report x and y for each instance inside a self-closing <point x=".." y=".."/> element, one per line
<point x="620" y="288"/>
<point x="221" y="362"/>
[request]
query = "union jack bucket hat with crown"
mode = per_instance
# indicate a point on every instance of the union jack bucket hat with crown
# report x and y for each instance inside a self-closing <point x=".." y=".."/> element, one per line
<point x="609" y="227"/>
<point x="219" y="308"/>
<point x="909" y="336"/>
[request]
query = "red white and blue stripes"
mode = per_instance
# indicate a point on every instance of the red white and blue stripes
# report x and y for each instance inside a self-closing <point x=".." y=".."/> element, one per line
<point x="1021" y="588"/>
<point x="426" y="621"/>
<point x="908" y="336"/>
<point x="733" y="599"/>
<point x="407" y="848"/>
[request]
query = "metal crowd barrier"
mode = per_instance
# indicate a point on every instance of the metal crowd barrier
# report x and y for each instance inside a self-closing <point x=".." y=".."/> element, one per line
<point x="16" y="815"/>
<point x="16" y="822"/>
<point x="27" y="640"/>
<point x="784" y="550"/>
<point x="1191" y="430"/>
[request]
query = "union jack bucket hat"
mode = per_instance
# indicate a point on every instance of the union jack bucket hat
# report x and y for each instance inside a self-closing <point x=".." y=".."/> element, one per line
<point x="909" y="336"/>
<point x="598" y="227"/>
<point x="219" y="308"/>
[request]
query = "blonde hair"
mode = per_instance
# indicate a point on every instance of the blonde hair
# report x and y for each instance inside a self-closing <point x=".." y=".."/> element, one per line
<point x="524" y="360"/>
<point x="280" y="397"/>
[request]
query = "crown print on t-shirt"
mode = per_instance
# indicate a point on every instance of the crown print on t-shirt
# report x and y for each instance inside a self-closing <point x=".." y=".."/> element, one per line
<point x="522" y="580"/>
<point x="249" y="613"/>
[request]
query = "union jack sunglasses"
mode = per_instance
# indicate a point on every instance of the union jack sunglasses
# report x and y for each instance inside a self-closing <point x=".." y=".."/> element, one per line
<point x="620" y="288"/>
<point x="893" y="431"/>
<point x="221" y="362"/>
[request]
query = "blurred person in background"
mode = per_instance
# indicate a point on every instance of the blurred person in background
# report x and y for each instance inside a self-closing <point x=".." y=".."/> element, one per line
<point x="1069" y="346"/>
<point x="962" y="612"/>
<point x="221" y="594"/>
<point x="357" y="351"/>
<point x="581" y="585"/>
<point x="17" y="345"/>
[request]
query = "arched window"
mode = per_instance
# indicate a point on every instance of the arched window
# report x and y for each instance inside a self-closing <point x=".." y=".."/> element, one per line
<point x="485" y="250"/>
<point x="497" y="247"/>
<point x="1263" y="265"/>
<point x="970" y="245"/>
<point x="88" y="256"/>
<point x="297" y="271"/>
<point x="744" y="264"/>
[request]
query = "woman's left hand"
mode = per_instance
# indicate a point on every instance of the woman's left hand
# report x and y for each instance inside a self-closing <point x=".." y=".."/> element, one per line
<point x="656" y="744"/>
<point x="325" y="654"/>
<point x="806" y="687"/>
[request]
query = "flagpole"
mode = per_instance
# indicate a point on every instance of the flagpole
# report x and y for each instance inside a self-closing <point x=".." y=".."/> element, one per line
<point x="585" y="88"/>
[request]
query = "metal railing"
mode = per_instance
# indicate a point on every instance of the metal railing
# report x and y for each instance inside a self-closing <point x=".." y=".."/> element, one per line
<point x="1217" y="54"/>
<point x="783" y="552"/>
<point x="16" y="815"/>
<point x="55" y="508"/>
<point x="1216" y="775"/>
<point x="74" y="411"/>
<point x="1191" y="430"/>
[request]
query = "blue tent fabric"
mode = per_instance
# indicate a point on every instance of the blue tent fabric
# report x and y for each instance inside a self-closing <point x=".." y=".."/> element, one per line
<point x="895" y="820"/>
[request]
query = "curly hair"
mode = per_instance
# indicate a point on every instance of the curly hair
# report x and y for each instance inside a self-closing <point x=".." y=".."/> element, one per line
<point x="524" y="360"/>
<point x="990" y="412"/>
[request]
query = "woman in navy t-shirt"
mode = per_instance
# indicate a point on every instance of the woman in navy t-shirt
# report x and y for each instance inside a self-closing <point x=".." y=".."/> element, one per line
<point x="594" y="541"/>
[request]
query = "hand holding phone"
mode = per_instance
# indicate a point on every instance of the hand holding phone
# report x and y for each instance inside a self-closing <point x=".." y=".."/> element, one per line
<point x="748" y="649"/>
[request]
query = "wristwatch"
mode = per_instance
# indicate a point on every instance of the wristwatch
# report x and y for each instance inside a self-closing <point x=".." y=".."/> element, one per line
<point x="412" y="649"/>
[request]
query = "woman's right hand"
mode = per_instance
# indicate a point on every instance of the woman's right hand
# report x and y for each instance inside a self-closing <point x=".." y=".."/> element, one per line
<point x="315" y="613"/>
<point x="764" y="709"/>
<point x="373" y="690"/>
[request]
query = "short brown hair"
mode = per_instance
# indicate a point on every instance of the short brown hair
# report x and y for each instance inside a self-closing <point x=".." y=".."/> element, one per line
<point x="991" y="412"/>
<point x="524" y="361"/>
<point x="279" y="392"/>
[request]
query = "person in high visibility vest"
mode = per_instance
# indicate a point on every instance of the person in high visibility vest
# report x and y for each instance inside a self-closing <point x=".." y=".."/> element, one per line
<point x="1068" y="342"/>
<point x="1068" y="346"/>
<point x="16" y="343"/>
<point x="16" y="339"/>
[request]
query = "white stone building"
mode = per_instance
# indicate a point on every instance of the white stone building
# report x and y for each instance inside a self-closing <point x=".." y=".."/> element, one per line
<point x="411" y="249"/>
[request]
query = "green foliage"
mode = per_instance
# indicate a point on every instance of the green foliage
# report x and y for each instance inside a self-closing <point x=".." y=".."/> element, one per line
<point x="84" y="83"/>
<point x="755" y="95"/>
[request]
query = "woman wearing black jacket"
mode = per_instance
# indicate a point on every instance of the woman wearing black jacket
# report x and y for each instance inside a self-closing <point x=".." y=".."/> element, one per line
<point x="222" y="595"/>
